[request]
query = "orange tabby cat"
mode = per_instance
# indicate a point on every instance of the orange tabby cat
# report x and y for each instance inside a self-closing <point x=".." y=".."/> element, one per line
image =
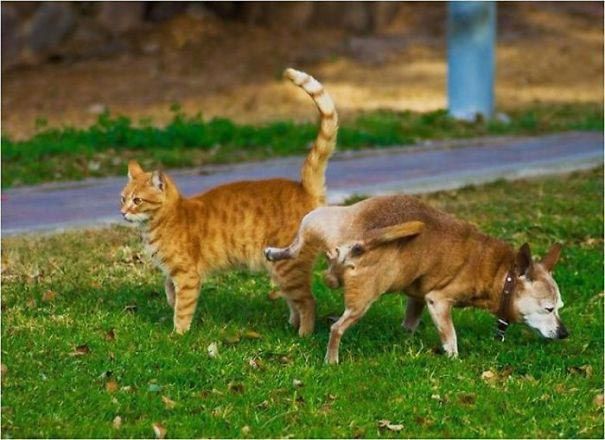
<point x="230" y="225"/>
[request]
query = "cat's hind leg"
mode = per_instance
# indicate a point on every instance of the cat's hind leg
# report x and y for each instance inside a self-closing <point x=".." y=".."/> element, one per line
<point x="294" y="280"/>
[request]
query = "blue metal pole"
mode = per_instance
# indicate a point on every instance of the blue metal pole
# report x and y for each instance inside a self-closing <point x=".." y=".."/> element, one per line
<point x="471" y="34"/>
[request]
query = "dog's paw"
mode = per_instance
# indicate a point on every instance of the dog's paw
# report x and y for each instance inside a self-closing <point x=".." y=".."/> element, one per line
<point x="331" y="360"/>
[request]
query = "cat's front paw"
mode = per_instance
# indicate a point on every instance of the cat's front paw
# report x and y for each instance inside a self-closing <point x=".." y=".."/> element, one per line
<point x="181" y="329"/>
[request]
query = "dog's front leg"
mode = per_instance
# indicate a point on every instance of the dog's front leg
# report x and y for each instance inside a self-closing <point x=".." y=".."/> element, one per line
<point x="440" y="309"/>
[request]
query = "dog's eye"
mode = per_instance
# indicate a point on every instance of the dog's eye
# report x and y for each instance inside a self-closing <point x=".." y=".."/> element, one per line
<point x="549" y="309"/>
<point x="136" y="201"/>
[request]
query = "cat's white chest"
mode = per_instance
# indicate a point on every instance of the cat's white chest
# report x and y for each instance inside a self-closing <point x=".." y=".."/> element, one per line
<point x="153" y="252"/>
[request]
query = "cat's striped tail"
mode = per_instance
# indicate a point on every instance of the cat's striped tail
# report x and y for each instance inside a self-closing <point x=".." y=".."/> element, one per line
<point x="313" y="172"/>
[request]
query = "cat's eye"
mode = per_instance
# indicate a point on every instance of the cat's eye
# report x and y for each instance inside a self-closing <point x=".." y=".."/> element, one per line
<point x="136" y="201"/>
<point x="549" y="309"/>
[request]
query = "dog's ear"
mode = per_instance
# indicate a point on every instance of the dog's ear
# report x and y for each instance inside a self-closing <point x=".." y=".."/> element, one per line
<point x="134" y="169"/>
<point x="551" y="258"/>
<point x="523" y="261"/>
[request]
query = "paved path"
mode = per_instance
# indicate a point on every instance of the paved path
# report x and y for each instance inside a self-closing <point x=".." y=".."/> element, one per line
<point x="425" y="168"/>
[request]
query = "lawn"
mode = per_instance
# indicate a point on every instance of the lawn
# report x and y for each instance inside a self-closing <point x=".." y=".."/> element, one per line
<point x="86" y="338"/>
<point x="56" y="154"/>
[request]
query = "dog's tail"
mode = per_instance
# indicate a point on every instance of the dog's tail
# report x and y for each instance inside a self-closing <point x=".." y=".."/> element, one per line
<point x="314" y="168"/>
<point x="373" y="239"/>
<point x="380" y="236"/>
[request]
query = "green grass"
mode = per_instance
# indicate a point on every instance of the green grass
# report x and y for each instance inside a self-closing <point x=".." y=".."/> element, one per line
<point x="104" y="148"/>
<point x="542" y="389"/>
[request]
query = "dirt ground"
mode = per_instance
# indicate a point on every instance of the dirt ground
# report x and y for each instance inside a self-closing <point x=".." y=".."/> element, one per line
<point x="546" y="52"/>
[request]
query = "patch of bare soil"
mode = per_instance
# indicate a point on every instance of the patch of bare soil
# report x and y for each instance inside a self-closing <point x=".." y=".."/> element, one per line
<point x="547" y="52"/>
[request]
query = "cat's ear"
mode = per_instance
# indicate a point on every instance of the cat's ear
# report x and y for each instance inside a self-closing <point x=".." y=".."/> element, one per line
<point x="158" y="180"/>
<point x="134" y="169"/>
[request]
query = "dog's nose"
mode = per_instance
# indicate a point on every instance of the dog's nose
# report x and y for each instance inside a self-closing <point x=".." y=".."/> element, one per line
<point x="562" y="332"/>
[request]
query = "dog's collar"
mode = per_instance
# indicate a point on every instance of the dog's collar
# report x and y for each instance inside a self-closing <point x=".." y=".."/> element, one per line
<point x="503" y="315"/>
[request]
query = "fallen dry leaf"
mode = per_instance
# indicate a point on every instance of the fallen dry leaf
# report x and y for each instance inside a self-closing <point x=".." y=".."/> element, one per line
<point x="529" y="378"/>
<point x="110" y="335"/>
<point x="231" y="339"/>
<point x="489" y="376"/>
<point x="251" y="334"/>
<point x="80" y="350"/>
<point x="159" y="430"/>
<point x="111" y="386"/>
<point x="130" y="308"/>
<point x="585" y="370"/>
<point x="48" y="296"/>
<point x="235" y="387"/>
<point x="396" y="428"/>
<point x="359" y="433"/>
<point x="467" y="398"/>
<point x="386" y="424"/>
<point x="31" y="303"/>
<point x="263" y="405"/>
<point x="168" y="403"/>
<point x="213" y="350"/>
<point x="598" y="400"/>
<point x="117" y="422"/>
<point x="597" y="297"/>
<point x="424" y="421"/>
<point x="256" y="364"/>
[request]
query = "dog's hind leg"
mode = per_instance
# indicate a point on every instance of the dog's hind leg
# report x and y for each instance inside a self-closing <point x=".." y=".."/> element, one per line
<point x="357" y="303"/>
<point x="413" y="312"/>
<point x="440" y="309"/>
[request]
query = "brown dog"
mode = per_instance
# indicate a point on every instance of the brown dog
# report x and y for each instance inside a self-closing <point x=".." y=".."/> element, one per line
<point x="437" y="259"/>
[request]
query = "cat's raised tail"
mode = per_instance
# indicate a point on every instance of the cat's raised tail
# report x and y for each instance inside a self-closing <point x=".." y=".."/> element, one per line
<point x="313" y="172"/>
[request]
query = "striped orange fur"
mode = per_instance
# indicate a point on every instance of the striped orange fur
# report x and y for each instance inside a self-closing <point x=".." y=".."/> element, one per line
<point x="230" y="225"/>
